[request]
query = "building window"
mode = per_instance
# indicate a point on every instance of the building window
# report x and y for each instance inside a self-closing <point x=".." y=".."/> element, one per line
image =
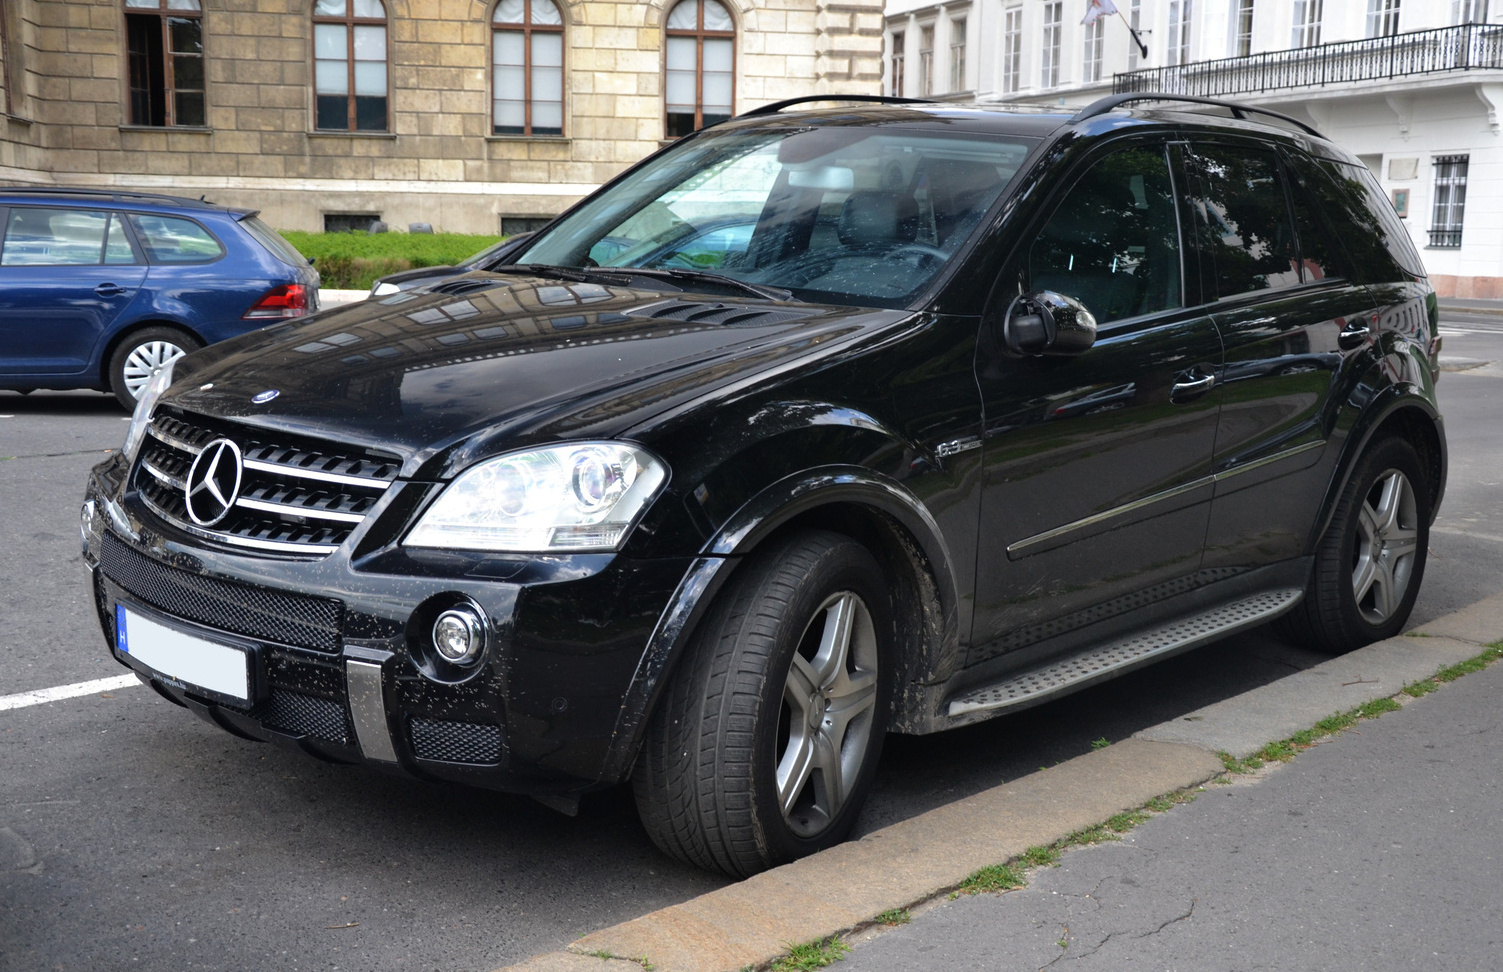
<point x="1450" y="201"/>
<point x="349" y="65"/>
<point x="1468" y="11"/>
<point x="164" y="42"/>
<point x="527" y="68"/>
<point x="1243" y="23"/>
<point x="1307" y="23"/>
<point x="1382" y="18"/>
<point x="957" y="54"/>
<point x="1012" y="50"/>
<point x="1049" y="63"/>
<point x="898" y="40"/>
<point x="1178" y="49"/>
<point x="701" y="66"/>
<point x="926" y="61"/>
<point x="1091" y="63"/>
<point x="1134" y="18"/>
<point x="5" y="66"/>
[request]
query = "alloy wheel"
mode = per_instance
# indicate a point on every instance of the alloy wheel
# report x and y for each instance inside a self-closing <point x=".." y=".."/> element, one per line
<point x="829" y="701"/>
<point x="1386" y="542"/>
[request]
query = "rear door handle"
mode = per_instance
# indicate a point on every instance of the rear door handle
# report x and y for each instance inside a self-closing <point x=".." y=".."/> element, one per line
<point x="1354" y="334"/>
<point x="109" y="290"/>
<point x="1191" y="386"/>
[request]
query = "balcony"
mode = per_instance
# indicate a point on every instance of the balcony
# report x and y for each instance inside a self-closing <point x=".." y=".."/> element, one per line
<point x="1466" y="47"/>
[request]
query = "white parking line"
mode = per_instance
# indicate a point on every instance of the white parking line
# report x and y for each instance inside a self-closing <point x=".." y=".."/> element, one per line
<point x="41" y="696"/>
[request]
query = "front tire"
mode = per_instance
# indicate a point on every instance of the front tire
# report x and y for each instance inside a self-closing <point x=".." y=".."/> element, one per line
<point x="140" y="355"/>
<point x="764" y="745"/>
<point x="1370" y="563"/>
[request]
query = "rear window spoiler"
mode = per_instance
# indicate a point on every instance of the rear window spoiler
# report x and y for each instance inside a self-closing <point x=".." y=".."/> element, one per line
<point x="240" y="214"/>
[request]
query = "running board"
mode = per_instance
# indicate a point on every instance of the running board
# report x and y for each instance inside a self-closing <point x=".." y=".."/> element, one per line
<point x="1118" y="657"/>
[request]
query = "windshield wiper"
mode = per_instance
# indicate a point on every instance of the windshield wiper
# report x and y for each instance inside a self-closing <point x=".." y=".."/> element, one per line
<point x="709" y="277"/>
<point x="576" y="274"/>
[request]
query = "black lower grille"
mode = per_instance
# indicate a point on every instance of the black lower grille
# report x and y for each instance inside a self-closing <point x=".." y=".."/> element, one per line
<point x="456" y="742"/>
<point x="304" y="715"/>
<point x="289" y="619"/>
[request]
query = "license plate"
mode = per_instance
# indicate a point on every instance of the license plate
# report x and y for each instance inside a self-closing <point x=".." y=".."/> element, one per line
<point x="194" y="662"/>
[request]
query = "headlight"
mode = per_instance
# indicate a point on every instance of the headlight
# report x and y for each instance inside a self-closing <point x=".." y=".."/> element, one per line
<point x="141" y="417"/>
<point x="560" y="499"/>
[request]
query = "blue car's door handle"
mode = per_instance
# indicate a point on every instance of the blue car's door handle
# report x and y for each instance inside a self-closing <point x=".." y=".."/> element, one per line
<point x="109" y="290"/>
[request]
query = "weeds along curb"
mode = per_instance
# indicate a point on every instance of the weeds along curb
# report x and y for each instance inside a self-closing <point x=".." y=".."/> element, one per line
<point x="1013" y="875"/>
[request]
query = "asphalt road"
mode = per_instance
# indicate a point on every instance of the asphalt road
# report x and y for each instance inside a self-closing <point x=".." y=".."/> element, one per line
<point x="134" y="835"/>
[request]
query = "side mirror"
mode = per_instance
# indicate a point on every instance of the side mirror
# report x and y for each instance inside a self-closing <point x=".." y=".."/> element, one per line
<point x="1044" y="322"/>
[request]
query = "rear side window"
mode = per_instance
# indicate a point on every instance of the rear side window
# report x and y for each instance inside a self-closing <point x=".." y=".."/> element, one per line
<point x="1357" y="208"/>
<point x="173" y="239"/>
<point x="1242" y="219"/>
<point x="1113" y="244"/>
<point x="37" y="237"/>
<point x="273" y="241"/>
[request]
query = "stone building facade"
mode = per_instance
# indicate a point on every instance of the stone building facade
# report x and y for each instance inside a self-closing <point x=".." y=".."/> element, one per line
<point x="330" y="112"/>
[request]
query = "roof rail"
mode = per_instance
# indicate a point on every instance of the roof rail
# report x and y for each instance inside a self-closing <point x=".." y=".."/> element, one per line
<point x="1103" y="105"/>
<point x="778" y="106"/>
<point x="113" y="194"/>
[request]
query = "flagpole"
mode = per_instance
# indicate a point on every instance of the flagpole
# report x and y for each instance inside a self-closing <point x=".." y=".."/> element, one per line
<point x="1143" y="48"/>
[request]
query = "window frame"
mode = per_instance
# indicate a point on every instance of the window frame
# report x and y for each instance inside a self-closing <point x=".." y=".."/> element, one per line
<point x="1181" y="21"/>
<point x="1450" y="172"/>
<point x="1242" y="28"/>
<point x="700" y="35"/>
<point x="899" y="55"/>
<point x="349" y="21"/>
<point x="1093" y="55"/>
<point x="958" y="28"/>
<point x="1383" y="17"/>
<point x="169" y="69"/>
<point x="926" y="60"/>
<point x="526" y="29"/>
<point x="1192" y="300"/>
<point x="1051" y="46"/>
<point x="1308" y="17"/>
<point x="1012" y="49"/>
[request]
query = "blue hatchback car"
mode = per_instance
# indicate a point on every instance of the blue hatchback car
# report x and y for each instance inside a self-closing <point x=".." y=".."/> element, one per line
<point x="98" y="288"/>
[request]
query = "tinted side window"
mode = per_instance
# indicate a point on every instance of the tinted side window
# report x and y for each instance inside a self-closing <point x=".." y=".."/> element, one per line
<point x="1242" y="219"/>
<point x="1319" y="253"/>
<point x="171" y="239"/>
<point x="1354" y="203"/>
<point x="1113" y="244"/>
<point x="36" y="237"/>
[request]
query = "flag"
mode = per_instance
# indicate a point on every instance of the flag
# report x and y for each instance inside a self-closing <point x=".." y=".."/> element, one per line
<point x="1099" y="9"/>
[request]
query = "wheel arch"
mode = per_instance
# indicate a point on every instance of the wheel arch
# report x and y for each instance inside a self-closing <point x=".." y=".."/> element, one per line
<point x="119" y="337"/>
<point x="872" y="509"/>
<point x="1401" y="412"/>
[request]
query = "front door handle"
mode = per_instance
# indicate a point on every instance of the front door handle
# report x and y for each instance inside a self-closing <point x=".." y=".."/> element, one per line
<point x="1190" y="386"/>
<point x="109" y="290"/>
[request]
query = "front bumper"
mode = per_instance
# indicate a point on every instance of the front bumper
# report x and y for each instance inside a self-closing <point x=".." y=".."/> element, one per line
<point x="338" y="670"/>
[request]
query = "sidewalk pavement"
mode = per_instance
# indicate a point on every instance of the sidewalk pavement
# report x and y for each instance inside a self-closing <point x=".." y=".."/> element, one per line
<point x="328" y="298"/>
<point x="1470" y="305"/>
<point x="1378" y="849"/>
<point x="1310" y="881"/>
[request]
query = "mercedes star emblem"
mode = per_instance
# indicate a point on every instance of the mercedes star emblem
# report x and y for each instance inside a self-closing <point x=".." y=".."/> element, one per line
<point x="213" y="482"/>
<point x="261" y="398"/>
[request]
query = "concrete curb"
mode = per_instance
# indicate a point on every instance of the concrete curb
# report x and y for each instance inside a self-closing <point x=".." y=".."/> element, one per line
<point x="1493" y="311"/>
<point x="331" y="298"/>
<point x="756" y="920"/>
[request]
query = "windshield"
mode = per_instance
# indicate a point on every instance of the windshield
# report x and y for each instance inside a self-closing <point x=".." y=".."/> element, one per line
<point x="843" y="215"/>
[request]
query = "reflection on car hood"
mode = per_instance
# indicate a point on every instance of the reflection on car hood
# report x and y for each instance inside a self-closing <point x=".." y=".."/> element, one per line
<point x="485" y="362"/>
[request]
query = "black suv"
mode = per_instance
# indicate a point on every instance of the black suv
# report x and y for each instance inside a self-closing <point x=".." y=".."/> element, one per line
<point x="819" y="424"/>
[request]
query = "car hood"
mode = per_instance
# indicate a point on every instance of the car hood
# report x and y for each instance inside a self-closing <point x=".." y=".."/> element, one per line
<point x="484" y="363"/>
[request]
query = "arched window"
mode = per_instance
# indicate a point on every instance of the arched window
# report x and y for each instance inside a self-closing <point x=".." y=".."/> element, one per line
<point x="527" y="68"/>
<point x="701" y="66"/>
<point x="164" y="41"/>
<point x="349" y="65"/>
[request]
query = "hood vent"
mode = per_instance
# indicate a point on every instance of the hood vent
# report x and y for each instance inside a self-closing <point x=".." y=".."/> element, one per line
<point x="465" y="285"/>
<point x="714" y="312"/>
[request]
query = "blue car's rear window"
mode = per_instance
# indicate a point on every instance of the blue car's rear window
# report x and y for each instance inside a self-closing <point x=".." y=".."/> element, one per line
<point x="174" y="239"/>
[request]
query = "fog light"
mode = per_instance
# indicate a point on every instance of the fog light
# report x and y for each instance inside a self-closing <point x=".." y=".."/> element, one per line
<point x="459" y="635"/>
<point x="86" y="523"/>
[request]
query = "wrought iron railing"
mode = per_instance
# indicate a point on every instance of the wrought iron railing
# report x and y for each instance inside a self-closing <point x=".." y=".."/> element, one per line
<point x="1465" y="47"/>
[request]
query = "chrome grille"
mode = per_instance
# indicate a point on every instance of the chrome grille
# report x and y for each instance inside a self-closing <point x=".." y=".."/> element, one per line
<point x="295" y="496"/>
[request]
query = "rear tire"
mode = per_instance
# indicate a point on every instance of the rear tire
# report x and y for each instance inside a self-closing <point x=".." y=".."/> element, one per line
<point x="1370" y="563"/>
<point x="140" y="355"/>
<point x="765" y="742"/>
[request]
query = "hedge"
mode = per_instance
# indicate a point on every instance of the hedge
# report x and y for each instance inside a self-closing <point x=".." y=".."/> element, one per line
<point x="353" y="261"/>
